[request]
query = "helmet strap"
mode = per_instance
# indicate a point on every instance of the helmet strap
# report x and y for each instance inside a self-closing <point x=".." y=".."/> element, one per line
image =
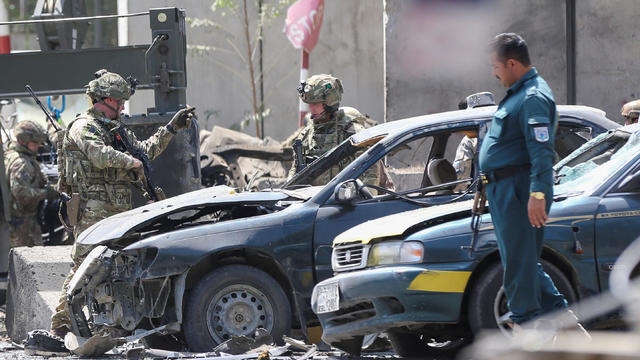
<point x="326" y="114"/>
<point x="116" y="111"/>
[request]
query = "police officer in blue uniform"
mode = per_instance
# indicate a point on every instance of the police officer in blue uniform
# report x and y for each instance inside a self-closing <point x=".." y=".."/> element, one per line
<point x="516" y="158"/>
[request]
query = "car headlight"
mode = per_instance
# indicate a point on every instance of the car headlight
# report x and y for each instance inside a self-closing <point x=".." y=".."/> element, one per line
<point x="396" y="252"/>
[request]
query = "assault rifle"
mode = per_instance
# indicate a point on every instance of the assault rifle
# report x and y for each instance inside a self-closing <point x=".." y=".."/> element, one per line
<point x="152" y="192"/>
<point x="297" y="150"/>
<point x="44" y="109"/>
<point x="479" y="207"/>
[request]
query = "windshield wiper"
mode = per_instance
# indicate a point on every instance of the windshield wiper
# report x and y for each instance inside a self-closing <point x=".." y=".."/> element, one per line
<point x="403" y="195"/>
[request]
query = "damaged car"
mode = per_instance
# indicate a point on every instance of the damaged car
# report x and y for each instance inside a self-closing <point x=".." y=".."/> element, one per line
<point x="212" y="264"/>
<point x="413" y="276"/>
<point x="233" y="158"/>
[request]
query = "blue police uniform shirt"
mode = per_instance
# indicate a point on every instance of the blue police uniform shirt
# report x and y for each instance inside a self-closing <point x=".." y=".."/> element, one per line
<point x="523" y="132"/>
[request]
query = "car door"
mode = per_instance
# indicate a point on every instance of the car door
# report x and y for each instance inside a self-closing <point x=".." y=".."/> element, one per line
<point x="406" y="163"/>
<point x="617" y="225"/>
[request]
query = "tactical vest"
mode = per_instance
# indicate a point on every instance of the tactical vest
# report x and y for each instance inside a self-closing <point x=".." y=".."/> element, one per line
<point x="109" y="184"/>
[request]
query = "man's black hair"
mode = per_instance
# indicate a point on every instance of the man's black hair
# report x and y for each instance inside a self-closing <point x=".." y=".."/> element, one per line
<point x="510" y="46"/>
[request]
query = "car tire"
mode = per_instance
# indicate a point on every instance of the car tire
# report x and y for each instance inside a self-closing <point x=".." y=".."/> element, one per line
<point x="416" y="345"/>
<point x="234" y="300"/>
<point x="484" y="302"/>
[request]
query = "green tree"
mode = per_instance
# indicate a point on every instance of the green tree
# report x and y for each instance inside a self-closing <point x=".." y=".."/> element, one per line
<point x="246" y="46"/>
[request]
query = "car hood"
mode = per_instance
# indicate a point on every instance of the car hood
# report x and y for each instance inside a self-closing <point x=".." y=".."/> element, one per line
<point x="125" y="223"/>
<point x="397" y="224"/>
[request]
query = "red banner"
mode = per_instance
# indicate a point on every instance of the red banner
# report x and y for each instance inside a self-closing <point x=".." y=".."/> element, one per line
<point x="304" y="20"/>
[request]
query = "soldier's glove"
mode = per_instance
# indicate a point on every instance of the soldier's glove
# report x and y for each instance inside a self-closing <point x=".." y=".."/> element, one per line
<point x="52" y="193"/>
<point x="182" y="119"/>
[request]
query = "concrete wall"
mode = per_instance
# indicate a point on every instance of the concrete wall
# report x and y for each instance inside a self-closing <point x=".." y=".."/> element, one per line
<point x="607" y="55"/>
<point x="436" y="56"/>
<point x="350" y="47"/>
<point x="433" y="61"/>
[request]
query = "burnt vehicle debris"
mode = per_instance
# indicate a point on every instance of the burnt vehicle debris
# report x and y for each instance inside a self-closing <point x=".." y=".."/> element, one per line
<point x="229" y="157"/>
<point x="216" y="263"/>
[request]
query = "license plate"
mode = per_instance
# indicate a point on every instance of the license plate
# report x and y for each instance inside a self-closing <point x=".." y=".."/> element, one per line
<point x="328" y="299"/>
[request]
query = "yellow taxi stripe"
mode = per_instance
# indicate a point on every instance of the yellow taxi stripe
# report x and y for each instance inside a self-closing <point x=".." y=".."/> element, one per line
<point x="441" y="281"/>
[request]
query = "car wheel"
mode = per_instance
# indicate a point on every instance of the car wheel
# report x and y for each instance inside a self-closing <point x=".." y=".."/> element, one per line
<point x="416" y="345"/>
<point x="234" y="300"/>
<point x="487" y="307"/>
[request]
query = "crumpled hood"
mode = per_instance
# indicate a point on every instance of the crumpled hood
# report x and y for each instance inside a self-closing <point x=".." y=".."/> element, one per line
<point x="397" y="224"/>
<point x="119" y="225"/>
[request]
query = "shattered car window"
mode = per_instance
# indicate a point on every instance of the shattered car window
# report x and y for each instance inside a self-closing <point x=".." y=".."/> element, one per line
<point x="595" y="160"/>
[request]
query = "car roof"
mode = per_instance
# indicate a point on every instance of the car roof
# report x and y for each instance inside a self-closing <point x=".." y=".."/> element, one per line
<point x="391" y="127"/>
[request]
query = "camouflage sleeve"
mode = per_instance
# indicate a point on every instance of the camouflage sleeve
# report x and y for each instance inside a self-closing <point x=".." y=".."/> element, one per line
<point x="155" y="144"/>
<point x="22" y="187"/>
<point x="101" y="155"/>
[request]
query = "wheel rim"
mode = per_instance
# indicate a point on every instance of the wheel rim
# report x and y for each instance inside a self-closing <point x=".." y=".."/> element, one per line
<point x="238" y="310"/>
<point x="501" y="312"/>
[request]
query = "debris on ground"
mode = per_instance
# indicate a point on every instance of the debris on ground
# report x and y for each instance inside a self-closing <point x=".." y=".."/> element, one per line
<point x="44" y="343"/>
<point x="242" y="344"/>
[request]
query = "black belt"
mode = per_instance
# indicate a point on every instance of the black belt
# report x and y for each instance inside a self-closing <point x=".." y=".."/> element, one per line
<point x="496" y="175"/>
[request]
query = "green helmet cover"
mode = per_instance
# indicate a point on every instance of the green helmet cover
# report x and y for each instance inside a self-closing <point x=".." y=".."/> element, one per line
<point x="28" y="130"/>
<point x="321" y="89"/>
<point x="108" y="84"/>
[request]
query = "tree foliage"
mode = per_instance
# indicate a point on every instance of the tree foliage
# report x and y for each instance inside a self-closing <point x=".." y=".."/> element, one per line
<point x="243" y="45"/>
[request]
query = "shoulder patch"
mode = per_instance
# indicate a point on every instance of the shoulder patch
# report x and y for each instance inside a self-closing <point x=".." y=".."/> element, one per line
<point x="90" y="132"/>
<point x="541" y="133"/>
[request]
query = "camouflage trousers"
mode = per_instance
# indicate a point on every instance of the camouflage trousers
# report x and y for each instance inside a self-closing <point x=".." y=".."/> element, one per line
<point x="95" y="211"/>
<point x="25" y="232"/>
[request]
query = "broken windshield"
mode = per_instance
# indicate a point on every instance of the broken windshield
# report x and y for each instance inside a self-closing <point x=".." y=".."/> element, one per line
<point x="589" y="165"/>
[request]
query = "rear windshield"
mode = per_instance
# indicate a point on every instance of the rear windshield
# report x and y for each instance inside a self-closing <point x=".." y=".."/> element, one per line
<point x="592" y="163"/>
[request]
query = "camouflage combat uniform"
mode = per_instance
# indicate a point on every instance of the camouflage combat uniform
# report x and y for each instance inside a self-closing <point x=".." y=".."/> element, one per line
<point x="27" y="184"/>
<point x="320" y="138"/>
<point x="463" y="161"/>
<point x="465" y="154"/>
<point x="99" y="173"/>
<point x="332" y="127"/>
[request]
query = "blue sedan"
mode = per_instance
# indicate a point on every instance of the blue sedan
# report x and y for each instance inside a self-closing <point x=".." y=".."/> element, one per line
<point x="414" y="278"/>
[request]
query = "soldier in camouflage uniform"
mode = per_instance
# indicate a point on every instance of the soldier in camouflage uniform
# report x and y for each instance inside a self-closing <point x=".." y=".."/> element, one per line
<point x="630" y="112"/>
<point x="100" y="174"/>
<point x="328" y="124"/>
<point x="465" y="154"/>
<point x="27" y="184"/>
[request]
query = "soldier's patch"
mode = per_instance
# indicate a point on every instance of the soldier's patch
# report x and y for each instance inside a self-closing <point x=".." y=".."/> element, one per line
<point x="90" y="133"/>
<point x="541" y="133"/>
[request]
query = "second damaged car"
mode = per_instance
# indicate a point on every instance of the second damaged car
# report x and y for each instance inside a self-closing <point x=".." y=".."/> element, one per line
<point x="213" y="264"/>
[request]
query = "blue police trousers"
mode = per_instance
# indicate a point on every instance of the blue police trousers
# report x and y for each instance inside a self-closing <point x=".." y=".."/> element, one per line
<point x="529" y="290"/>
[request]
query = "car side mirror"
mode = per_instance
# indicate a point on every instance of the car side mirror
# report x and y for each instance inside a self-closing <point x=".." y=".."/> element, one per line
<point x="631" y="183"/>
<point x="346" y="192"/>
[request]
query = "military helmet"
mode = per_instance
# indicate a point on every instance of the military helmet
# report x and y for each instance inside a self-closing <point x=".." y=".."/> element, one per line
<point x="631" y="111"/>
<point x="27" y="130"/>
<point x="631" y="106"/>
<point x="321" y="88"/>
<point x="108" y="84"/>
